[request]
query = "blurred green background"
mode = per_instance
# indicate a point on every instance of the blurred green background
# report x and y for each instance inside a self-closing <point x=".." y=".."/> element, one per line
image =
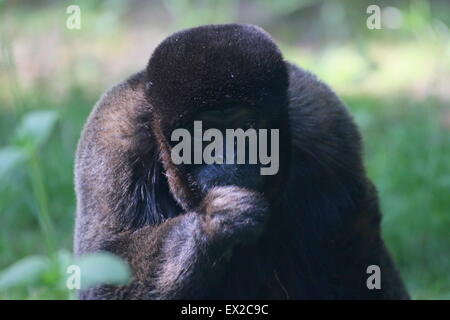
<point x="395" y="80"/>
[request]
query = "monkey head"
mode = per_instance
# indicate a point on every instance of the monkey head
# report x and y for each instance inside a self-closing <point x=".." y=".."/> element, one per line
<point x="228" y="76"/>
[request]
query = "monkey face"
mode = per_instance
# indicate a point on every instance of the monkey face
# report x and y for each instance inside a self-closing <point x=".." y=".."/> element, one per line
<point x="227" y="76"/>
<point x="238" y="166"/>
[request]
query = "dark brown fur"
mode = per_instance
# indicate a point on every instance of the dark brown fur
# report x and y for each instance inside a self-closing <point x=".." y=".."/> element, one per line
<point x="311" y="234"/>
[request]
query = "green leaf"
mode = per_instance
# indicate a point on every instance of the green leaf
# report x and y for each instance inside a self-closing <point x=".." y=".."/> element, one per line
<point x="64" y="258"/>
<point x="10" y="157"/>
<point x="35" y="128"/>
<point x="23" y="272"/>
<point x="103" y="268"/>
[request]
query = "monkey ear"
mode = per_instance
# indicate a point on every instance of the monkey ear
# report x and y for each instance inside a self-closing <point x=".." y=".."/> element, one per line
<point x="214" y="66"/>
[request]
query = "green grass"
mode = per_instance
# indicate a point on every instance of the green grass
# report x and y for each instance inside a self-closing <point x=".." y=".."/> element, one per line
<point x="21" y="206"/>
<point x="408" y="158"/>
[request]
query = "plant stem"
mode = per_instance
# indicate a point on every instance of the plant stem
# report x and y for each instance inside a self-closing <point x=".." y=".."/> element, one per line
<point x="40" y="192"/>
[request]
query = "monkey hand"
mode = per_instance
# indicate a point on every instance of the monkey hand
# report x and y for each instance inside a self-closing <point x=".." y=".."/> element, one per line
<point x="234" y="215"/>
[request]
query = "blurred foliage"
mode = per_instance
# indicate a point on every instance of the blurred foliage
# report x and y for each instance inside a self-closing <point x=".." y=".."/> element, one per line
<point x="395" y="81"/>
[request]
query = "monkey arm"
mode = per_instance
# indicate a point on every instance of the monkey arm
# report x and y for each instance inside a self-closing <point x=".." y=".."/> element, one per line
<point x="184" y="256"/>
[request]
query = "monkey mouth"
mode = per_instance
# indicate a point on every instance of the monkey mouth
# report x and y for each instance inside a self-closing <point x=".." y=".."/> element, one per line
<point x="221" y="175"/>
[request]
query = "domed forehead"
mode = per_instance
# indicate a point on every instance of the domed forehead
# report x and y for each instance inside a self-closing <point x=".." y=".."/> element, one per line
<point x="214" y="66"/>
<point x="229" y="49"/>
